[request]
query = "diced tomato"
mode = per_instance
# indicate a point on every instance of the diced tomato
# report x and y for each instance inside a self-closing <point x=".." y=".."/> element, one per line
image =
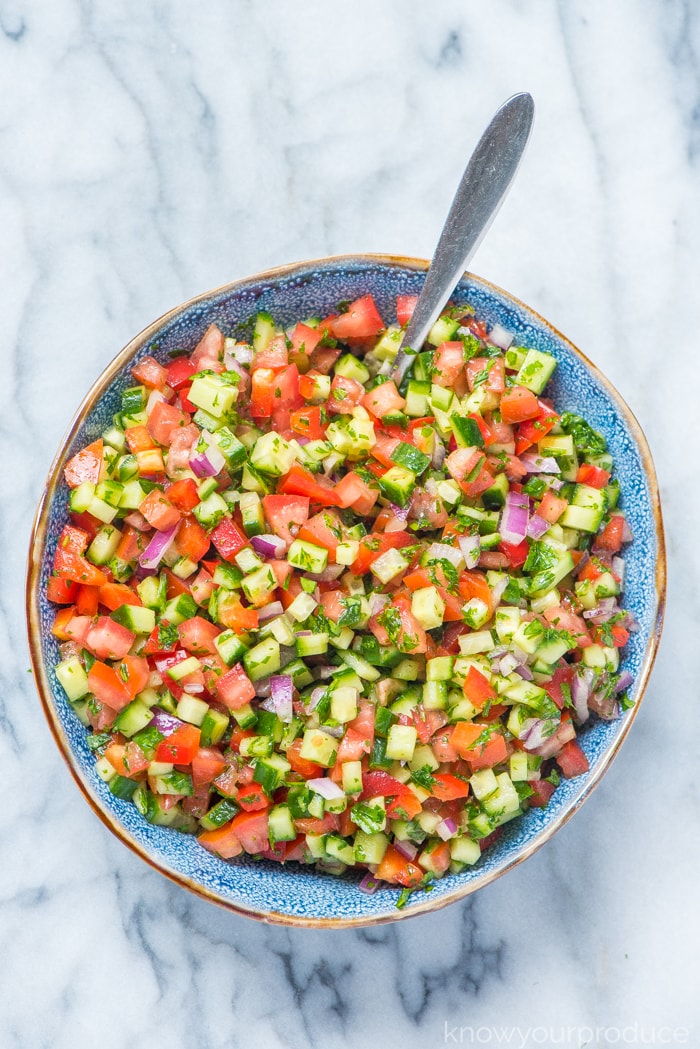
<point x="594" y="476"/>
<point x="285" y="514"/>
<point x="228" y="539"/>
<point x="375" y="544"/>
<point x="408" y="635"/>
<point x="115" y="595"/>
<point x="85" y="465"/>
<point x="533" y="430"/>
<point x="180" y="372"/>
<point x="518" y="404"/>
<point x="384" y="400"/>
<point x="234" y="615"/>
<point x="360" y="320"/>
<point x="251" y="829"/>
<point x="398" y="870"/>
<point x="478" y="689"/>
<point x="69" y="562"/>
<point x="235" y="688"/>
<point x="300" y="481"/>
<point x="478" y="745"/>
<point x="159" y="511"/>
<point x="127" y="759"/>
<point x="324" y="529"/>
<point x="183" y="494"/>
<point x="307" y="769"/>
<point x="571" y="759"/>
<point x="352" y="491"/>
<point x="515" y="552"/>
<point x="305" y="339"/>
<point x="138" y="439"/>
<point x="448" y="363"/>
<point x="192" y="540"/>
<point x="223" y="841"/>
<point x="107" y="686"/>
<point x="551" y="507"/>
<point x="610" y="539"/>
<point x="345" y="395"/>
<point x="62" y="591"/>
<point x="307" y="422"/>
<point x="261" y="393"/>
<point x="109" y="640"/>
<point x="197" y="635"/>
<point x="486" y="373"/>
<point x="164" y="422"/>
<point x="274" y="355"/>
<point x="180" y="747"/>
<point x="252" y="798"/>
<point x="405" y="305"/>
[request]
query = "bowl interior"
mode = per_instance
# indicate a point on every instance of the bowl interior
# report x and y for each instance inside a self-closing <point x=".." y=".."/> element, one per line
<point x="294" y="895"/>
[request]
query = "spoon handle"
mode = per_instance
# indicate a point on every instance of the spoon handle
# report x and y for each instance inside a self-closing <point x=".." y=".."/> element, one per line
<point x="485" y="182"/>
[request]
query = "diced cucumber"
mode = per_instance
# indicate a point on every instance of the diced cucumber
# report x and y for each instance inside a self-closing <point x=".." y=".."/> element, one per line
<point x="263" y="332"/>
<point x="397" y="485"/>
<point x="319" y="747"/>
<point x="104" y="546"/>
<point x="138" y="618"/>
<point x="213" y="394"/>
<point x="536" y="370"/>
<point x="230" y="647"/>
<point x="351" y="367"/>
<point x="72" y="677"/>
<point x="133" y="718"/>
<point x="252" y="513"/>
<point x="213" y="727"/>
<point x="280" y="824"/>
<point x="444" y="330"/>
<point x="263" y="659"/>
<point x="307" y="556"/>
<point x="352" y="777"/>
<point x="428" y="607"/>
<point x="417" y="395"/>
<point x="272" y="454"/>
<point x="192" y="710"/>
<point x="340" y="849"/>
<point x="370" y="848"/>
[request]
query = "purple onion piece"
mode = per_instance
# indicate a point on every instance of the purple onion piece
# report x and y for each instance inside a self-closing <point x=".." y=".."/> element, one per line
<point x="446" y="829"/>
<point x="624" y="681"/>
<point x="581" y="684"/>
<point x="470" y="545"/>
<point x="540" y="464"/>
<point x="407" y="849"/>
<point x="369" y="884"/>
<point x="269" y="545"/>
<point x="275" y="608"/>
<point x="158" y="546"/>
<point x="514" y="517"/>
<point x="164" y="722"/>
<point x="537" y="527"/>
<point x="326" y="788"/>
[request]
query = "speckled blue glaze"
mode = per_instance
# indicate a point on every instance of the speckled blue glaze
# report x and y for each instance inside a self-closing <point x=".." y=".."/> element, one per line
<point x="295" y="895"/>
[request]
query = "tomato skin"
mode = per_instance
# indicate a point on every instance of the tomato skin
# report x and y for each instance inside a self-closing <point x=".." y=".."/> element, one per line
<point x="197" y="635"/>
<point x="405" y="305"/>
<point x="159" y="511"/>
<point x="181" y="747"/>
<point x="515" y="552"/>
<point x="85" y="465"/>
<point x="300" y="481"/>
<point x="479" y="755"/>
<point x="191" y="540"/>
<point x="251" y="829"/>
<point x="228" y="539"/>
<point x="478" y="689"/>
<point x="307" y="423"/>
<point x="106" y="685"/>
<point x="396" y="869"/>
<point x="610" y="539"/>
<point x="183" y="494"/>
<point x="324" y="529"/>
<point x="571" y="760"/>
<point x="109" y="640"/>
<point x="286" y="512"/>
<point x="165" y="421"/>
<point x="235" y="688"/>
<point x="361" y="320"/>
<point x="62" y="591"/>
<point x="518" y="404"/>
<point x="375" y="544"/>
<point x="533" y="430"/>
<point x="593" y="476"/>
<point x="251" y="798"/>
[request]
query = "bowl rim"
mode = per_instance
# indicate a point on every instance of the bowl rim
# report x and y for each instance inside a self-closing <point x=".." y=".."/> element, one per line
<point x="37" y="545"/>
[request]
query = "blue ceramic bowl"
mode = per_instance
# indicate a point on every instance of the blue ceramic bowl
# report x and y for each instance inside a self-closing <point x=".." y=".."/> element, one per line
<point x="294" y="895"/>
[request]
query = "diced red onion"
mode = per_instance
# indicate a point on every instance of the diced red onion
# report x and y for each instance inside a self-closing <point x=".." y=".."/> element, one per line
<point x="620" y="570"/>
<point x="137" y="521"/>
<point x="281" y="695"/>
<point x="337" y="731"/>
<point x="263" y="688"/>
<point x="519" y="654"/>
<point x="508" y="664"/>
<point x="445" y="552"/>
<point x="407" y="849"/>
<point x="439" y="452"/>
<point x="165" y="723"/>
<point x="604" y="705"/>
<point x="240" y="352"/>
<point x="497" y="589"/>
<point x="470" y="545"/>
<point x="399" y="511"/>
<point x="328" y="575"/>
<point x="447" y="828"/>
<point x="497" y="652"/>
<point x="325" y="786"/>
<point x="300" y="439"/>
<point x="555" y="483"/>
<point x="269" y="545"/>
<point x="524" y="671"/>
<point x="540" y="464"/>
<point x="275" y="608"/>
<point x="207" y="464"/>
<point x="581" y="684"/>
<point x="155" y="397"/>
<point x="514" y="517"/>
<point x="624" y="681"/>
<point x="537" y="526"/>
<point x="321" y="673"/>
<point x="500" y="337"/>
<point x="158" y="546"/>
<point x="377" y="602"/>
<point x="605" y="610"/>
<point x="553" y="744"/>
<point x="193" y="688"/>
<point x="627" y="534"/>
<point x="315" y="698"/>
<point x="369" y="884"/>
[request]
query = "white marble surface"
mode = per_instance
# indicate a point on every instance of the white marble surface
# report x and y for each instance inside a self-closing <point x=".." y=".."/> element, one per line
<point x="149" y="151"/>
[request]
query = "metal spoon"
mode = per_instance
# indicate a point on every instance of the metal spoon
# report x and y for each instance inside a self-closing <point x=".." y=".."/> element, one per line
<point x="484" y="185"/>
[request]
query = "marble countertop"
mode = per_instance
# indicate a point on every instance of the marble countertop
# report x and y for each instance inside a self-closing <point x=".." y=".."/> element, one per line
<point x="149" y="151"/>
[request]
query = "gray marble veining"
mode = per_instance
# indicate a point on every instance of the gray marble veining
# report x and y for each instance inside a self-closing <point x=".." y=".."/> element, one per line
<point x="149" y="151"/>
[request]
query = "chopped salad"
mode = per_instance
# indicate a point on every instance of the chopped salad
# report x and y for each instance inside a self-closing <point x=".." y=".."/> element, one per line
<point x="311" y="616"/>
